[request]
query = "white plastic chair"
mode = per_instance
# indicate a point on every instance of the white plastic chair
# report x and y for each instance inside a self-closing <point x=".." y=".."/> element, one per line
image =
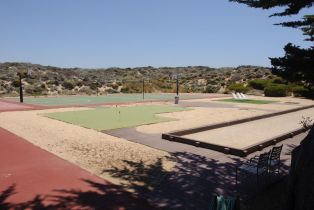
<point x="243" y="96"/>
<point x="239" y="96"/>
<point x="234" y="96"/>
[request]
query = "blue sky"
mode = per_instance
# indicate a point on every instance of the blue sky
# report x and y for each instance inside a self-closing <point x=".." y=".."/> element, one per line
<point x="130" y="33"/>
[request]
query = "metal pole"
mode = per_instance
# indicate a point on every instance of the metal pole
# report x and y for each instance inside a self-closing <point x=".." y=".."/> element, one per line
<point x="143" y="89"/>
<point x="21" y="88"/>
<point x="177" y="86"/>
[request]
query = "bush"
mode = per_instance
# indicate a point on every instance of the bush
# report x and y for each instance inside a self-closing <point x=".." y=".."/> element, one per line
<point x="259" y="84"/>
<point x="69" y="85"/>
<point x="279" y="80"/>
<point x="211" y="89"/>
<point x="16" y="83"/>
<point x="237" y="87"/>
<point x="300" y="90"/>
<point x="94" y="85"/>
<point x="34" y="90"/>
<point x="86" y="90"/>
<point x="276" y="90"/>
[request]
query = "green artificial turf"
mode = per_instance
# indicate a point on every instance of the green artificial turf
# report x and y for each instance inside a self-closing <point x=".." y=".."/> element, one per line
<point x="248" y="101"/>
<point x="116" y="117"/>
<point x="110" y="98"/>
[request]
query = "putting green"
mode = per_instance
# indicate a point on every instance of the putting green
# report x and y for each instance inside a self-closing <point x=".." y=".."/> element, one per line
<point x="110" y="98"/>
<point x="116" y="117"/>
<point x="248" y="101"/>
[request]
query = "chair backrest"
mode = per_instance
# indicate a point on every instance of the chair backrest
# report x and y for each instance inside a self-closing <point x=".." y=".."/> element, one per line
<point x="243" y="96"/>
<point x="262" y="164"/>
<point x="275" y="153"/>
<point x="234" y="96"/>
<point x="239" y="96"/>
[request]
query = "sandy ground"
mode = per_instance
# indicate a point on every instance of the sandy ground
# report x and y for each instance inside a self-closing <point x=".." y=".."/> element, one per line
<point x="250" y="133"/>
<point x="201" y="116"/>
<point x="92" y="150"/>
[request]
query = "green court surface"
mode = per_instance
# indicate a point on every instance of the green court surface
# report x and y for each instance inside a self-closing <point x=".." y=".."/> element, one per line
<point x="116" y="117"/>
<point x="248" y="101"/>
<point x="110" y="98"/>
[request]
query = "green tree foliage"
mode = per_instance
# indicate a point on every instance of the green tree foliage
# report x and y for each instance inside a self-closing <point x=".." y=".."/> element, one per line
<point x="297" y="64"/>
<point x="293" y="7"/>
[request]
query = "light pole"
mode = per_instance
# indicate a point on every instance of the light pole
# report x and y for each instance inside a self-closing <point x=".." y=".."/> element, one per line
<point x="143" y="89"/>
<point x="176" y="98"/>
<point x="21" y="75"/>
<point x="177" y="86"/>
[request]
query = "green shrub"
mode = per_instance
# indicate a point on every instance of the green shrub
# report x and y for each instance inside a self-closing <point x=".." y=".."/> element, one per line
<point x="238" y="87"/>
<point x="279" y="80"/>
<point x="16" y="83"/>
<point x="211" y="89"/>
<point x="276" y="90"/>
<point x="259" y="84"/>
<point x="69" y="85"/>
<point x="86" y="90"/>
<point x="34" y="90"/>
<point x="300" y="90"/>
<point x="94" y="85"/>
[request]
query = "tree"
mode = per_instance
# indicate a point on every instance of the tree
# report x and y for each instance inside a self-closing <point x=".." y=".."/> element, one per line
<point x="297" y="64"/>
<point x="293" y="7"/>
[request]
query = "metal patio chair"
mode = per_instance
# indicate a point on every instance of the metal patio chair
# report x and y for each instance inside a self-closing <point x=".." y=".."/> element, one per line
<point x="257" y="166"/>
<point x="274" y="162"/>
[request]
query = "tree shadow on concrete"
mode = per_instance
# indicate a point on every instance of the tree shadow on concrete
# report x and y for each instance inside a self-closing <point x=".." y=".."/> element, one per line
<point x="100" y="197"/>
<point x="189" y="185"/>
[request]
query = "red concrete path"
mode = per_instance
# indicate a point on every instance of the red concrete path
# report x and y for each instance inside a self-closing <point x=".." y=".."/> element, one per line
<point x="27" y="171"/>
<point x="6" y="105"/>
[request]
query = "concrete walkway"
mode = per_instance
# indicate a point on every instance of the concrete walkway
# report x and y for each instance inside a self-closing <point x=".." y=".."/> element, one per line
<point x="31" y="178"/>
<point x="6" y="105"/>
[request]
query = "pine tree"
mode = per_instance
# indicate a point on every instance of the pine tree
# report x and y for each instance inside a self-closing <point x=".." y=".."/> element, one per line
<point x="297" y="64"/>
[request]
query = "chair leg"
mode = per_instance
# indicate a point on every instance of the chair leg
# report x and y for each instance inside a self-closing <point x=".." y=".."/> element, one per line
<point x="236" y="177"/>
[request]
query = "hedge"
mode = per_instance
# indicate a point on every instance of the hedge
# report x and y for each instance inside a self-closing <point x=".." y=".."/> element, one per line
<point x="300" y="91"/>
<point x="237" y="87"/>
<point x="276" y="90"/>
